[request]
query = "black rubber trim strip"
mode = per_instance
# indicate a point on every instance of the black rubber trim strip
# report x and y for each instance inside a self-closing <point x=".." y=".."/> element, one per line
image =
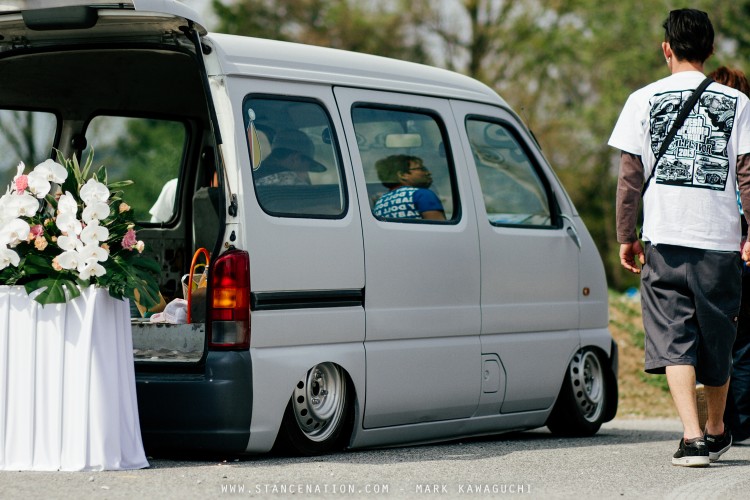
<point x="268" y="301"/>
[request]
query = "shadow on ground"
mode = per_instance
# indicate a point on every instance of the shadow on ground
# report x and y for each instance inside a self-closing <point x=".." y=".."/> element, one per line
<point x="467" y="448"/>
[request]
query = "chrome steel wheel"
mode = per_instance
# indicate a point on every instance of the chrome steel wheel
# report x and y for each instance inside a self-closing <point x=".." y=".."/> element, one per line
<point x="587" y="379"/>
<point x="319" y="401"/>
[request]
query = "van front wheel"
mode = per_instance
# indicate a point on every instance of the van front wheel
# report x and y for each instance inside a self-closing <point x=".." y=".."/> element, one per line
<point x="318" y="417"/>
<point x="580" y="407"/>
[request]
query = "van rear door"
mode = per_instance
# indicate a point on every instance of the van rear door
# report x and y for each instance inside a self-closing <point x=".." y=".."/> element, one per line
<point x="40" y="23"/>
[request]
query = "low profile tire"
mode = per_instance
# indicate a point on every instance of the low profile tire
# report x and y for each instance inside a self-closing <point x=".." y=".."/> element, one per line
<point x="318" y="417"/>
<point x="580" y="409"/>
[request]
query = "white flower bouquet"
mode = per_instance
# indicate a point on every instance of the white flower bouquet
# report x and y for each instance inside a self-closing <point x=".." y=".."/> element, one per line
<point x="63" y="227"/>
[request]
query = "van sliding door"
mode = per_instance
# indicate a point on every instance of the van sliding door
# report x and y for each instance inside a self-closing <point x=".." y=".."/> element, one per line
<point x="421" y="276"/>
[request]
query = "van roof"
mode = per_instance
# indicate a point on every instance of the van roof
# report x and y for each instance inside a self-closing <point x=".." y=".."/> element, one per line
<point x="274" y="59"/>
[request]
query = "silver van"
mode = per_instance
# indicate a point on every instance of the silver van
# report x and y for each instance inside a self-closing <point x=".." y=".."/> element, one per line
<point x="391" y="258"/>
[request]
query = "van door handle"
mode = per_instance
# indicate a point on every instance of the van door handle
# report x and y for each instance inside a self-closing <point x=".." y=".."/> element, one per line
<point x="572" y="231"/>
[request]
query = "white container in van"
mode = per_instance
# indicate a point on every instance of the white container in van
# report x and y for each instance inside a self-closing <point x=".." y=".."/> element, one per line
<point x="326" y="325"/>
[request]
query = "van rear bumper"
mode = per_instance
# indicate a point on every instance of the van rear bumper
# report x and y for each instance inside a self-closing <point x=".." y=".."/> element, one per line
<point x="198" y="412"/>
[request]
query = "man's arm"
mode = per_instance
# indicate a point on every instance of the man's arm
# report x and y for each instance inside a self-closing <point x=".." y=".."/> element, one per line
<point x="433" y="215"/>
<point x="743" y="183"/>
<point x="428" y="204"/>
<point x="629" y="185"/>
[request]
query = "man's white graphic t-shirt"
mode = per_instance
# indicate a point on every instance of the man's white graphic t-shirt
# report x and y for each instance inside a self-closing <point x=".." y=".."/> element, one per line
<point x="691" y="199"/>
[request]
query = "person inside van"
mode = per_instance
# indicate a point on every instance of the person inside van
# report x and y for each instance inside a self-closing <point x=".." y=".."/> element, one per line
<point x="290" y="162"/>
<point x="163" y="207"/>
<point x="407" y="179"/>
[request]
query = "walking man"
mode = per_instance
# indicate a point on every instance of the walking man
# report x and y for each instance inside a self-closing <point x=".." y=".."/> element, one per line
<point x="691" y="280"/>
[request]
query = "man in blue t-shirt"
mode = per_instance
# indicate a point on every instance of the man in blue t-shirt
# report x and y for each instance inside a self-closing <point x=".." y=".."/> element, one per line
<point x="408" y="198"/>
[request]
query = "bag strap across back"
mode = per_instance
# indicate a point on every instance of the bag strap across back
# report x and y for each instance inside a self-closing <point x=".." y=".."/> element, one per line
<point x="681" y="116"/>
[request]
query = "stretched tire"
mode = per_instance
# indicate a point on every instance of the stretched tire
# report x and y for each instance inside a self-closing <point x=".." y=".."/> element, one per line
<point x="318" y="417"/>
<point x="580" y="409"/>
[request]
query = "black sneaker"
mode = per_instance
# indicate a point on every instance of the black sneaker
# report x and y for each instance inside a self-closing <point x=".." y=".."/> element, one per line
<point x="717" y="445"/>
<point x="691" y="453"/>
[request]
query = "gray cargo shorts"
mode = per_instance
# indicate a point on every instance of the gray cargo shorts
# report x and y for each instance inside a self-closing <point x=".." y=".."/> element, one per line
<point x="691" y="300"/>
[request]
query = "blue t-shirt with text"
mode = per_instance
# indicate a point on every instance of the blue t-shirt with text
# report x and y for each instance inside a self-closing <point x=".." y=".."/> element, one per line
<point x="406" y="202"/>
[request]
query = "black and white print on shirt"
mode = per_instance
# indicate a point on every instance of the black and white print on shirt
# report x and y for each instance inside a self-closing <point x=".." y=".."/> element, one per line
<point x="697" y="156"/>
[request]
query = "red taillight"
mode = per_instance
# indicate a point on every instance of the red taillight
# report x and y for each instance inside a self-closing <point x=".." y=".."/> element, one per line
<point x="229" y="308"/>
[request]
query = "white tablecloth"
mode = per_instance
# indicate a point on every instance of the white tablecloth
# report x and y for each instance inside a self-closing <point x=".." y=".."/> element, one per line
<point x="67" y="384"/>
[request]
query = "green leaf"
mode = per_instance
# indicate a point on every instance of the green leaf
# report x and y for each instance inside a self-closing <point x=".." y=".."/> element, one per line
<point x="37" y="264"/>
<point x="54" y="290"/>
<point x="139" y="273"/>
<point x="101" y="175"/>
<point x="119" y="184"/>
<point x="86" y="166"/>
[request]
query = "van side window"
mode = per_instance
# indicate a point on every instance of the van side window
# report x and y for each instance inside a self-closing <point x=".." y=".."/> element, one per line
<point x="299" y="173"/>
<point x="512" y="189"/>
<point x="146" y="151"/>
<point x="25" y="136"/>
<point x="409" y="175"/>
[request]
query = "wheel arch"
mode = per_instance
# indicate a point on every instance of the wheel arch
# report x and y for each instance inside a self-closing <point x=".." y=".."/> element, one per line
<point x="276" y="371"/>
<point x="565" y="417"/>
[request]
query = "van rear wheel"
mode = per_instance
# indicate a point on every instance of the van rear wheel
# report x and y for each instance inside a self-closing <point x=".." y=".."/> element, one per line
<point x="318" y="417"/>
<point x="580" y="407"/>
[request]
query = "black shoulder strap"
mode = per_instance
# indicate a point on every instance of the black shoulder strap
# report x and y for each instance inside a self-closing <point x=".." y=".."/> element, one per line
<point x="684" y="111"/>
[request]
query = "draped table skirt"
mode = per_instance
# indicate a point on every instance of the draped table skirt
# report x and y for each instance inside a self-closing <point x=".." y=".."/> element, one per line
<point x="67" y="384"/>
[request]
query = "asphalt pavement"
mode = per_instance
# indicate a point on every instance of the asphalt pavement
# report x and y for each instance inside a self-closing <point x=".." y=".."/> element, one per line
<point x="626" y="459"/>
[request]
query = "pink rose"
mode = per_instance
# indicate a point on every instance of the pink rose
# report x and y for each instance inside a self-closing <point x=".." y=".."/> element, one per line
<point x="129" y="240"/>
<point x="22" y="182"/>
<point x="36" y="230"/>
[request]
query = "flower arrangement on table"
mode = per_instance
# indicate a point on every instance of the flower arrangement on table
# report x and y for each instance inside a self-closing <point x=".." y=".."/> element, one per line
<point x="64" y="227"/>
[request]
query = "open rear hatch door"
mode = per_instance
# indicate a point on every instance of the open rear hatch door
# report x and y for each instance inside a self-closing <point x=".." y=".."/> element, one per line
<point x="34" y="24"/>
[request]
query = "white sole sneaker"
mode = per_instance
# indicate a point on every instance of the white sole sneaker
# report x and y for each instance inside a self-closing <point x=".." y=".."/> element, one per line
<point x="692" y="461"/>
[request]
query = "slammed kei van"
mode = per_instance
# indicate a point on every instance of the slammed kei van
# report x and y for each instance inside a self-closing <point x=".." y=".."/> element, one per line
<point x="344" y="304"/>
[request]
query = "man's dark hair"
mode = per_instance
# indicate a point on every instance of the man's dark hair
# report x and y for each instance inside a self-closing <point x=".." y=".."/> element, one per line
<point x="389" y="168"/>
<point x="690" y="34"/>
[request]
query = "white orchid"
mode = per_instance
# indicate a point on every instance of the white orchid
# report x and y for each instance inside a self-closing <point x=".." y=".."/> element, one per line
<point x="52" y="171"/>
<point x="93" y="234"/>
<point x="95" y="212"/>
<point x="69" y="259"/>
<point x="19" y="170"/>
<point x="68" y="224"/>
<point x="21" y="205"/>
<point x="94" y="191"/>
<point x="39" y="186"/>
<point x="6" y="212"/>
<point x="90" y="267"/>
<point x="8" y="257"/>
<point x="67" y="204"/>
<point x="95" y="252"/>
<point x="66" y="242"/>
<point x="14" y="232"/>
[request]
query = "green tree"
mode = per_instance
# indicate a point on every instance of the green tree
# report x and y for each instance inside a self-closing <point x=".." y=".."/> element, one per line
<point x="381" y="28"/>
